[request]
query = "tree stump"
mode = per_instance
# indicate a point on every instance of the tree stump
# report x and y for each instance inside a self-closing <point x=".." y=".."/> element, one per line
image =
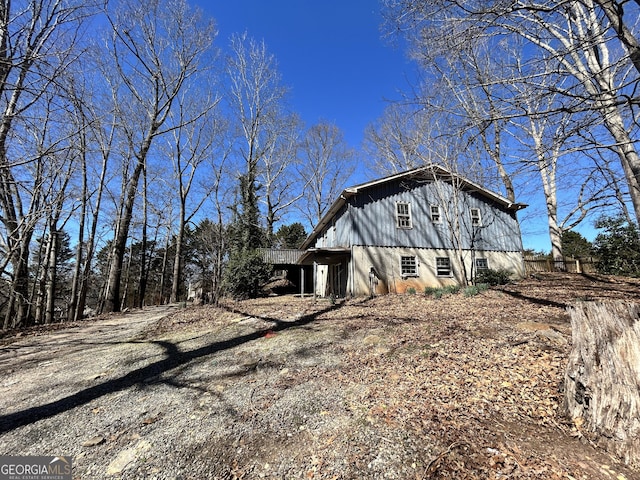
<point x="602" y="380"/>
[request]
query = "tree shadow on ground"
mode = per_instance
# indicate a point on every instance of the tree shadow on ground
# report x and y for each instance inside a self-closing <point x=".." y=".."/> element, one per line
<point x="528" y="298"/>
<point x="174" y="358"/>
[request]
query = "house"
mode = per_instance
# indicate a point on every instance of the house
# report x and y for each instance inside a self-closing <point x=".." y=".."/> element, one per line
<point x="423" y="227"/>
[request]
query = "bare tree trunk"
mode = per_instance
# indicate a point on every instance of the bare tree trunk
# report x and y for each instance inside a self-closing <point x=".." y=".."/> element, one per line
<point x="127" y="276"/>
<point x="52" y="276"/>
<point x="91" y="240"/>
<point x="112" y="296"/>
<point x="165" y="257"/>
<point x="16" y="315"/>
<point x="177" y="262"/>
<point x="602" y="380"/>
<point x="627" y="152"/>
<point x="77" y="270"/>
<point x="40" y="285"/>
<point x="142" y="280"/>
<point x="615" y="13"/>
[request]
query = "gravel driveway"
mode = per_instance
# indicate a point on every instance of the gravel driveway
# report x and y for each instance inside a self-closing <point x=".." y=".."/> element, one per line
<point x="127" y="400"/>
<point x="393" y="387"/>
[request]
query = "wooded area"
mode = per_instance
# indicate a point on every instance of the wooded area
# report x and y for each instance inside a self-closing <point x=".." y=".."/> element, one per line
<point x="139" y="152"/>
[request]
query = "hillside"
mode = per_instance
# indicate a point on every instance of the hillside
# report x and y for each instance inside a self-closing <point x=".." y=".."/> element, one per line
<point x="392" y="387"/>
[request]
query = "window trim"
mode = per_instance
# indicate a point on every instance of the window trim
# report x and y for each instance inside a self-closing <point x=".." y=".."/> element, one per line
<point x="438" y="213"/>
<point x="414" y="266"/>
<point x="449" y="269"/>
<point x="478" y="267"/>
<point x="476" y="220"/>
<point x="402" y="217"/>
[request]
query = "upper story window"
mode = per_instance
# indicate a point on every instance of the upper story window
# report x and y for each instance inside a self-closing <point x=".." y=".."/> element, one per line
<point x="443" y="267"/>
<point x="408" y="266"/>
<point x="434" y="211"/>
<point x="403" y="215"/>
<point x="476" y="219"/>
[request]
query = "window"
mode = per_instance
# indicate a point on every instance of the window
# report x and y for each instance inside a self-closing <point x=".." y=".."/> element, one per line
<point x="476" y="221"/>
<point x="443" y="267"/>
<point x="408" y="266"/>
<point x="403" y="215"/>
<point x="435" y="214"/>
<point x="482" y="264"/>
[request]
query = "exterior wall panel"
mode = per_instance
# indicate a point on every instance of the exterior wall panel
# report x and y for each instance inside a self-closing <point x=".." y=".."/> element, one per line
<point x="372" y="219"/>
<point x="386" y="262"/>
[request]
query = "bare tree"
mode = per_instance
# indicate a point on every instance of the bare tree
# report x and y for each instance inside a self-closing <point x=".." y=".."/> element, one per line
<point x="326" y="163"/>
<point x="191" y="145"/>
<point x="278" y="177"/>
<point x="400" y="140"/>
<point x="583" y="52"/>
<point x="155" y="47"/>
<point x="37" y="41"/>
<point x="570" y="38"/>
<point x="623" y="24"/>
<point x="473" y="80"/>
<point x="256" y="97"/>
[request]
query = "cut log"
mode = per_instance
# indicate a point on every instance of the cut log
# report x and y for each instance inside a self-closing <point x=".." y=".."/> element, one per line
<point x="602" y="380"/>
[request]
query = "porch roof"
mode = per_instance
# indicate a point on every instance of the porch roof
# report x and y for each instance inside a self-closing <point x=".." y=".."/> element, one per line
<point x="325" y="256"/>
<point x="281" y="256"/>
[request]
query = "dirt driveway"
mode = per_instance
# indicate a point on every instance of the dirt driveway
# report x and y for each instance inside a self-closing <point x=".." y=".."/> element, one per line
<point x="393" y="387"/>
<point x="46" y="374"/>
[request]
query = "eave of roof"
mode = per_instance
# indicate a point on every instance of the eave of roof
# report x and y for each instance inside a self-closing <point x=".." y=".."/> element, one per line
<point x="312" y="253"/>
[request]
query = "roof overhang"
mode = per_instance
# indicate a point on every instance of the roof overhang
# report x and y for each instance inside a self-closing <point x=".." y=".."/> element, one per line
<point x="324" y="256"/>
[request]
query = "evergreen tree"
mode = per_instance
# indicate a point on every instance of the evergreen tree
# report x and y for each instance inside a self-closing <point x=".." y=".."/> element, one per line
<point x="290" y="236"/>
<point x="618" y="247"/>
<point x="246" y="271"/>
<point x="575" y="245"/>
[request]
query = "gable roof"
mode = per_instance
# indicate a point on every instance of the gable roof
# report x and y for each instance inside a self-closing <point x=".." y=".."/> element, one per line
<point x="428" y="171"/>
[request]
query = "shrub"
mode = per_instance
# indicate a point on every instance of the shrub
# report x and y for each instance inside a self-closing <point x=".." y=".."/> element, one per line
<point x="246" y="272"/>
<point x="451" y="289"/>
<point x="493" y="277"/>
<point x="411" y="291"/>
<point x="438" y="292"/>
<point x="473" y="290"/>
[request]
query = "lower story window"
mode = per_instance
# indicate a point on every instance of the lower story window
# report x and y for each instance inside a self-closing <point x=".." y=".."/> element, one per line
<point x="408" y="266"/>
<point x="482" y="264"/>
<point x="443" y="266"/>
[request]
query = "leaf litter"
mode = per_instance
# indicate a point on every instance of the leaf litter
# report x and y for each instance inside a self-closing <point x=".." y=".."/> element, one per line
<point x="391" y="387"/>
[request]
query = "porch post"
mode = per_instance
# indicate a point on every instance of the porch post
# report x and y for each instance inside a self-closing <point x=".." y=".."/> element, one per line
<point x="301" y="282"/>
<point x="315" y="279"/>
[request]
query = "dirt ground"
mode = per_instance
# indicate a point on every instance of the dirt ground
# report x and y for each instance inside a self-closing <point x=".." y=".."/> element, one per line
<point x="406" y="387"/>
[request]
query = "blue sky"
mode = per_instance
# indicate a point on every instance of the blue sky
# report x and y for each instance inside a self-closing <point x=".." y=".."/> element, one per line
<point x="329" y="53"/>
<point x="332" y="56"/>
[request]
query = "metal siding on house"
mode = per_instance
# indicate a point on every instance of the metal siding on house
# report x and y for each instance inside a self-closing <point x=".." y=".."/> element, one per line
<point x="372" y="218"/>
<point x="337" y="233"/>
